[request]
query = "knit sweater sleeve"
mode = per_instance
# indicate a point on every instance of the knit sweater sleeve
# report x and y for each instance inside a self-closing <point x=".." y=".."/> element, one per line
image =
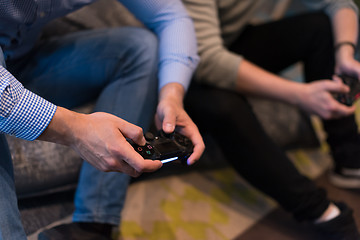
<point x="217" y="65"/>
<point x="331" y="6"/>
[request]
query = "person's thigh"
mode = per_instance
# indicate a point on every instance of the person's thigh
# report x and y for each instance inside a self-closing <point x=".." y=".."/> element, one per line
<point x="279" y="44"/>
<point x="74" y="69"/>
<point x="115" y="68"/>
<point x="229" y="118"/>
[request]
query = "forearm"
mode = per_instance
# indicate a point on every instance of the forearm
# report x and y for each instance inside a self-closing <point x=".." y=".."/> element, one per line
<point x="345" y="27"/>
<point x="174" y="92"/>
<point x="61" y="128"/>
<point x="256" y="81"/>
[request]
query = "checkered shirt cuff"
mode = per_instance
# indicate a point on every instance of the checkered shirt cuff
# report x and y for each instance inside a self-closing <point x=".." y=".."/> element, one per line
<point x="29" y="118"/>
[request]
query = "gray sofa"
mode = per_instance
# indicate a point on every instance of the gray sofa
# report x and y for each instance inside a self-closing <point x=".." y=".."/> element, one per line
<point x="43" y="169"/>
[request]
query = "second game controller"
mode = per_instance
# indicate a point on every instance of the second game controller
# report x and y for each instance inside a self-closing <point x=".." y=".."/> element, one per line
<point x="165" y="147"/>
<point x="354" y="93"/>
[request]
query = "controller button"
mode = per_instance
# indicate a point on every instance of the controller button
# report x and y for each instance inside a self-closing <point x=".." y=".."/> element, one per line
<point x="149" y="136"/>
<point x="139" y="149"/>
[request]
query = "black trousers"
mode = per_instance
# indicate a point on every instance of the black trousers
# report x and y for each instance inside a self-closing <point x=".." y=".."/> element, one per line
<point x="306" y="38"/>
<point x="230" y="119"/>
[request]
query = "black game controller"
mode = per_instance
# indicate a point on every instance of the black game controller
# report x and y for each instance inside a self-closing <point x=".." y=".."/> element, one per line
<point x="354" y="93"/>
<point x="165" y="147"/>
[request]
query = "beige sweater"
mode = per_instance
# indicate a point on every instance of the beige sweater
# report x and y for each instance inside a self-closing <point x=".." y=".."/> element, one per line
<point x="219" y="22"/>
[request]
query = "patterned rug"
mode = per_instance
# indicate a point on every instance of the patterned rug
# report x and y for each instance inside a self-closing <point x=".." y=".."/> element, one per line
<point x="209" y="205"/>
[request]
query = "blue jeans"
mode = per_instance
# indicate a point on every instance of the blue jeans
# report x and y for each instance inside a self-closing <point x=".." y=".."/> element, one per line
<point x="115" y="68"/>
<point x="10" y="224"/>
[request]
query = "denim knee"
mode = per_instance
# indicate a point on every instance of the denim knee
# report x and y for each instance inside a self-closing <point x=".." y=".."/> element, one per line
<point x="140" y="42"/>
<point x="142" y="38"/>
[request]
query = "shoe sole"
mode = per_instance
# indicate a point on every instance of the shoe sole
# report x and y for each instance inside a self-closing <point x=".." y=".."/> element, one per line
<point x="345" y="181"/>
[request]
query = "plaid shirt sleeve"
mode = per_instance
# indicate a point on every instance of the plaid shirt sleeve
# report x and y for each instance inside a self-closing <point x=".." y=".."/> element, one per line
<point x="22" y="113"/>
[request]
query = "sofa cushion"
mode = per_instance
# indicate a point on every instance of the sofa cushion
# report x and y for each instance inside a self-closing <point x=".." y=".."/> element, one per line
<point x="42" y="167"/>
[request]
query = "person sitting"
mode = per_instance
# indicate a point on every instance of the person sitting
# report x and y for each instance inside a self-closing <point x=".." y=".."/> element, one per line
<point x="240" y="59"/>
<point x="131" y="73"/>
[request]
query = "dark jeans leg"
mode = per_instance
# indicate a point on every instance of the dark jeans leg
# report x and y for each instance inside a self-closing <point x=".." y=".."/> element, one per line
<point x="306" y="38"/>
<point x="115" y="67"/>
<point x="230" y="119"/>
<point x="10" y="221"/>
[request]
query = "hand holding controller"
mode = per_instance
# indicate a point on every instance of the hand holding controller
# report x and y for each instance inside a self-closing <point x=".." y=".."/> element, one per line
<point x="165" y="147"/>
<point x="354" y="93"/>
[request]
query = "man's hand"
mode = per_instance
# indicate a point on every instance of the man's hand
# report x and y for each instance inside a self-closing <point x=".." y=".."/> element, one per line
<point x="170" y="116"/>
<point x="100" y="139"/>
<point x="346" y="63"/>
<point x="316" y="98"/>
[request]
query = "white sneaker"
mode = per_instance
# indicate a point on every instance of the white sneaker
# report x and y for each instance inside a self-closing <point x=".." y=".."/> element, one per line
<point x="345" y="177"/>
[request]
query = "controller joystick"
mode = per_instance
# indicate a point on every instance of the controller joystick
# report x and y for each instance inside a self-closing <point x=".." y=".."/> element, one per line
<point x="149" y="136"/>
